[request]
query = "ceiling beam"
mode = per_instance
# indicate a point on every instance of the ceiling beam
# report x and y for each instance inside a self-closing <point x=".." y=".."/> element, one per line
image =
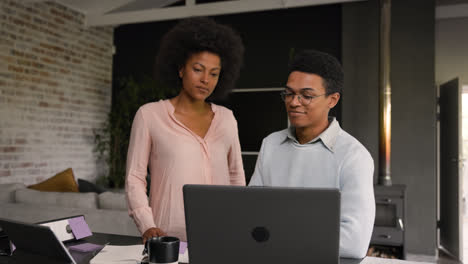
<point x="137" y="5"/>
<point x="207" y="9"/>
<point x="88" y="7"/>
<point x="452" y="11"/>
<point x="32" y="1"/>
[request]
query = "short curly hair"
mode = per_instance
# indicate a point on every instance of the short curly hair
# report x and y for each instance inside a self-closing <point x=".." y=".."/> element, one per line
<point x="195" y="35"/>
<point x="322" y="64"/>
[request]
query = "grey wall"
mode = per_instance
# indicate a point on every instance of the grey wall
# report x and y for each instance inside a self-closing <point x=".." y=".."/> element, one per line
<point x="360" y="59"/>
<point x="413" y="103"/>
<point x="451" y="52"/>
<point x="414" y="123"/>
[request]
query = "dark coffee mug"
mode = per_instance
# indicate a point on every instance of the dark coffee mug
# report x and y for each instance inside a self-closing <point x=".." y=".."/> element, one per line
<point x="163" y="250"/>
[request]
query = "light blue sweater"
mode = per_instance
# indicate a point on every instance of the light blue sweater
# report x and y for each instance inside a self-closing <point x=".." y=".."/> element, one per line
<point x="334" y="159"/>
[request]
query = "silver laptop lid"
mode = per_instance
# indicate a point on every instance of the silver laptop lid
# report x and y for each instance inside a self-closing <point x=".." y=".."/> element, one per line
<point x="233" y="224"/>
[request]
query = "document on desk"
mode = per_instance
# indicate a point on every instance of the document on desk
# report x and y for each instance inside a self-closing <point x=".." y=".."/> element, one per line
<point x="129" y="254"/>
<point x="374" y="260"/>
<point x="119" y="254"/>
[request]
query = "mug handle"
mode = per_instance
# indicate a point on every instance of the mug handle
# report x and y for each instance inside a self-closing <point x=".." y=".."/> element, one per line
<point x="145" y="249"/>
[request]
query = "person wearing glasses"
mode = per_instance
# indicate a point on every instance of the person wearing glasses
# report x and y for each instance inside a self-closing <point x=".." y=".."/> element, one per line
<point x="315" y="152"/>
<point x="185" y="139"/>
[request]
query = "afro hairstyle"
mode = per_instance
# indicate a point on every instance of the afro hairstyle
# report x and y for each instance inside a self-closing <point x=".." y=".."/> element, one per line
<point x="322" y="64"/>
<point x="195" y="35"/>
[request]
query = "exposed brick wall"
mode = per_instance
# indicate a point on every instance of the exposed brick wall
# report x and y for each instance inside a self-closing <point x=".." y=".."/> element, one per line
<point x="55" y="89"/>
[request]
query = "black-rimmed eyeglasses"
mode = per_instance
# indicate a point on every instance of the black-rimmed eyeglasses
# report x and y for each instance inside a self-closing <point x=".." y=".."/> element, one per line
<point x="302" y="98"/>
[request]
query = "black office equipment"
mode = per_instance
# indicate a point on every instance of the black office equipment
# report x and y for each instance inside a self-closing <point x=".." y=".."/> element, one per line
<point x="4" y="244"/>
<point x="275" y="225"/>
<point x="36" y="240"/>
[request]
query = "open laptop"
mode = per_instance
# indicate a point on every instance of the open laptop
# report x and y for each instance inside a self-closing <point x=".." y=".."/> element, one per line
<point x="36" y="242"/>
<point x="274" y="225"/>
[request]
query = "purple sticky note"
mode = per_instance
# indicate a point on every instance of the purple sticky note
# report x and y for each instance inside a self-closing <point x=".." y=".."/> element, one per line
<point x="86" y="247"/>
<point x="79" y="227"/>
<point x="182" y="247"/>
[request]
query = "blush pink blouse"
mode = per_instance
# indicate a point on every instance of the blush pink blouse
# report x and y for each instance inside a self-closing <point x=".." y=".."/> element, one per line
<point x="176" y="156"/>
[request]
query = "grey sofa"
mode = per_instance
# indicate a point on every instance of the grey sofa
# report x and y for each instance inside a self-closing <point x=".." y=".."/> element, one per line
<point x="104" y="213"/>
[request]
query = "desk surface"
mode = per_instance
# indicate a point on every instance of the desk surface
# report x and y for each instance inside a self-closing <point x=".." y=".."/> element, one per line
<point x="100" y="238"/>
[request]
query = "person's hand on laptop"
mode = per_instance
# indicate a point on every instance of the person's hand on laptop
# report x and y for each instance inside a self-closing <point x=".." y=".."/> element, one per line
<point x="152" y="232"/>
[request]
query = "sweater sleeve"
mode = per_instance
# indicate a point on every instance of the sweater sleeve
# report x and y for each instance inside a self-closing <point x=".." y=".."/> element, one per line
<point x="257" y="177"/>
<point x="357" y="204"/>
<point x="135" y="185"/>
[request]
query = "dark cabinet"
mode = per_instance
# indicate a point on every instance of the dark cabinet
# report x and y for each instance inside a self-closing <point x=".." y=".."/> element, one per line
<point x="389" y="227"/>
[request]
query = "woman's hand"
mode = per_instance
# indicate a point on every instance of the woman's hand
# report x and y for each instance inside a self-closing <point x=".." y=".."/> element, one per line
<point x="152" y="232"/>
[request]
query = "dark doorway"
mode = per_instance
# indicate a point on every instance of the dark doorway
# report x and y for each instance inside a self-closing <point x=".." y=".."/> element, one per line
<point x="450" y="202"/>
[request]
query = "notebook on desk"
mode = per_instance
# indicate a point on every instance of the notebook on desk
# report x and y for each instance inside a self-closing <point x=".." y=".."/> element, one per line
<point x="36" y="242"/>
<point x="273" y="225"/>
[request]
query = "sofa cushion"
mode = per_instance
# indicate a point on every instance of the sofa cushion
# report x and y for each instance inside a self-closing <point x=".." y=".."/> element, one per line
<point x="7" y="191"/>
<point x="113" y="201"/>
<point x="86" y="186"/>
<point x="103" y="221"/>
<point x="62" y="182"/>
<point x="63" y="199"/>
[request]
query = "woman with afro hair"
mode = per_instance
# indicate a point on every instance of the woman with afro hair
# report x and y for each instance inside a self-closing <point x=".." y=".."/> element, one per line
<point x="185" y="139"/>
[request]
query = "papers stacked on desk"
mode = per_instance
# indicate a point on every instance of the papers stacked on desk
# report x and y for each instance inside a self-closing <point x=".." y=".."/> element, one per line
<point x="119" y="254"/>
<point x="374" y="260"/>
<point x="126" y="255"/>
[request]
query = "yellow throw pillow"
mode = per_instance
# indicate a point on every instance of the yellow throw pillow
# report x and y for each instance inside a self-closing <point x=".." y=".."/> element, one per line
<point x="61" y="182"/>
